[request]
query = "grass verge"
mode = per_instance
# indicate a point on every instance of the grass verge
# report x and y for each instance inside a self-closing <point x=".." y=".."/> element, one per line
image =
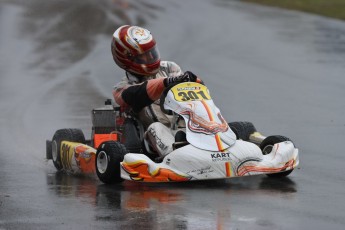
<point x="328" y="8"/>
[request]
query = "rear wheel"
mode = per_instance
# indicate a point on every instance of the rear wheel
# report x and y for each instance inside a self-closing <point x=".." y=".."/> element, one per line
<point x="266" y="147"/>
<point x="108" y="158"/>
<point x="73" y="135"/>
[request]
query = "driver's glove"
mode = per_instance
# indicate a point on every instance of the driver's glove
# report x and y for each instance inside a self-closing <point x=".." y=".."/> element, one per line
<point x="187" y="76"/>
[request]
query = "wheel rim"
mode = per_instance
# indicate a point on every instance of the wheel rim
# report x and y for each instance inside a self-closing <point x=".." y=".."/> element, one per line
<point x="102" y="162"/>
<point x="54" y="151"/>
<point x="267" y="149"/>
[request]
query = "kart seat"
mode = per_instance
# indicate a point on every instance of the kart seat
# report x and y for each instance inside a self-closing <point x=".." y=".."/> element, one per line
<point x="180" y="139"/>
<point x="131" y="136"/>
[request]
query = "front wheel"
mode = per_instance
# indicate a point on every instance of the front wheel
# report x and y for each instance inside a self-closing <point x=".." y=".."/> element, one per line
<point x="108" y="158"/>
<point x="242" y="129"/>
<point x="266" y="147"/>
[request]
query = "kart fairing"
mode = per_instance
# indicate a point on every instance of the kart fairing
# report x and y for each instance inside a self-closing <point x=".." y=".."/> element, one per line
<point x="213" y="152"/>
<point x="205" y="126"/>
<point x="190" y="163"/>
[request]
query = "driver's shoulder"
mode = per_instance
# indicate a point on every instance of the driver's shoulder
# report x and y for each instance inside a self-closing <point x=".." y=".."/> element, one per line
<point x="170" y="68"/>
<point x="121" y="84"/>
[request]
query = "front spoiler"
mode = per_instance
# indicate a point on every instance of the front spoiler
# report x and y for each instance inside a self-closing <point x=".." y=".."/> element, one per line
<point x="190" y="163"/>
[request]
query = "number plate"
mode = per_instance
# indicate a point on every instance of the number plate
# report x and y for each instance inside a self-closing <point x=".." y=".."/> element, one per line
<point x="190" y="91"/>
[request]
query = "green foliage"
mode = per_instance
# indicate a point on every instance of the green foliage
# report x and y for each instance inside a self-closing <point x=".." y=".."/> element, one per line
<point x="328" y="8"/>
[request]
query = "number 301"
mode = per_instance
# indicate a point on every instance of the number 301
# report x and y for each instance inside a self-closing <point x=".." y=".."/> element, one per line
<point x="191" y="95"/>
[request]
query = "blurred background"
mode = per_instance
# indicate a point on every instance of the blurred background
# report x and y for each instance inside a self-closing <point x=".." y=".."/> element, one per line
<point x="281" y="69"/>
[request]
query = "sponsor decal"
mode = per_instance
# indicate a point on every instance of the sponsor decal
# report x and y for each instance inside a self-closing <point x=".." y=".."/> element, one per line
<point x="189" y="88"/>
<point x="80" y="151"/>
<point x="66" y="156"/>
<point x="75" y="157"/>
<point x="139" y="34"/>
<point x="221" y="156"/>
<point x="190" y="91"/>
<point x="205" y="170"/>
<point x="139" y="31"/>
<point x="82" y="156"/>
<point x="159" y="142"/>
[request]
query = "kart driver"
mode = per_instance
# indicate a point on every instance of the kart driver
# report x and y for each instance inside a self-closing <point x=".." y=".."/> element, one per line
<point x="135" y="50"/>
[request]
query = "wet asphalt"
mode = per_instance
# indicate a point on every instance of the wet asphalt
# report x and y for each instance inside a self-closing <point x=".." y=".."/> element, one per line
<point x="281" y="70"/>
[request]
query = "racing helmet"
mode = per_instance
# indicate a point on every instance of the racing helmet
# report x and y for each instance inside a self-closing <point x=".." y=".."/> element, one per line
<point x="135" y="50"/>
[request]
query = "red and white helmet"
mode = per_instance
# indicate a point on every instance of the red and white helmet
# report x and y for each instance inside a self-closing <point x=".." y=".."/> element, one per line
<point x="134" y="50"/>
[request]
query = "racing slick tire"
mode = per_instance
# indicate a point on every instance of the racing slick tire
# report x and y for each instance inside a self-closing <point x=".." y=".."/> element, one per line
<point x="74" y="135"/>
<point x="49" y="150"/>
<point x="266" y="147"/>
<point x="242" y="129"/>
<point x="108" y="158"/>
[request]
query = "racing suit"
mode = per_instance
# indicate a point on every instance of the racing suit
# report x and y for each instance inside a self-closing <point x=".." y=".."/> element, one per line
<point x="143" y="99"/>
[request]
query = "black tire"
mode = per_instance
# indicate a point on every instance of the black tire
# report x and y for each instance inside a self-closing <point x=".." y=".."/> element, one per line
<point x="242" y="129"/>
<point x="49" y="150"/>
<point x="108" y="157"/>
<point x="74" y="135"/>
<point x="266" y="147"/>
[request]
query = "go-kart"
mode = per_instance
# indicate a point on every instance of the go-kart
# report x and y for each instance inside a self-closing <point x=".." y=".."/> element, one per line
<point x="211" y="149"/>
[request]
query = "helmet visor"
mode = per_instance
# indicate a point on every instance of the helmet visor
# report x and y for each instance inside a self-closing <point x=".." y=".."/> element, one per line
<point x="149" y="57"/>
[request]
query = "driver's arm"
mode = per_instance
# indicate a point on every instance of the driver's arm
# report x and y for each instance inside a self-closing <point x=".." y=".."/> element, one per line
<point x="140" y="95"/>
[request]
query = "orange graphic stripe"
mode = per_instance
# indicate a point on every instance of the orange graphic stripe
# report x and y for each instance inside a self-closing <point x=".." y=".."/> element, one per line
<point x="210" y="116"/>
<point x="219" y="143"/>
<point x="139" y="171"/>
<point x="245" y="170"/>
<point x="208" y="110"/>
<point x="228" y="169"/>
